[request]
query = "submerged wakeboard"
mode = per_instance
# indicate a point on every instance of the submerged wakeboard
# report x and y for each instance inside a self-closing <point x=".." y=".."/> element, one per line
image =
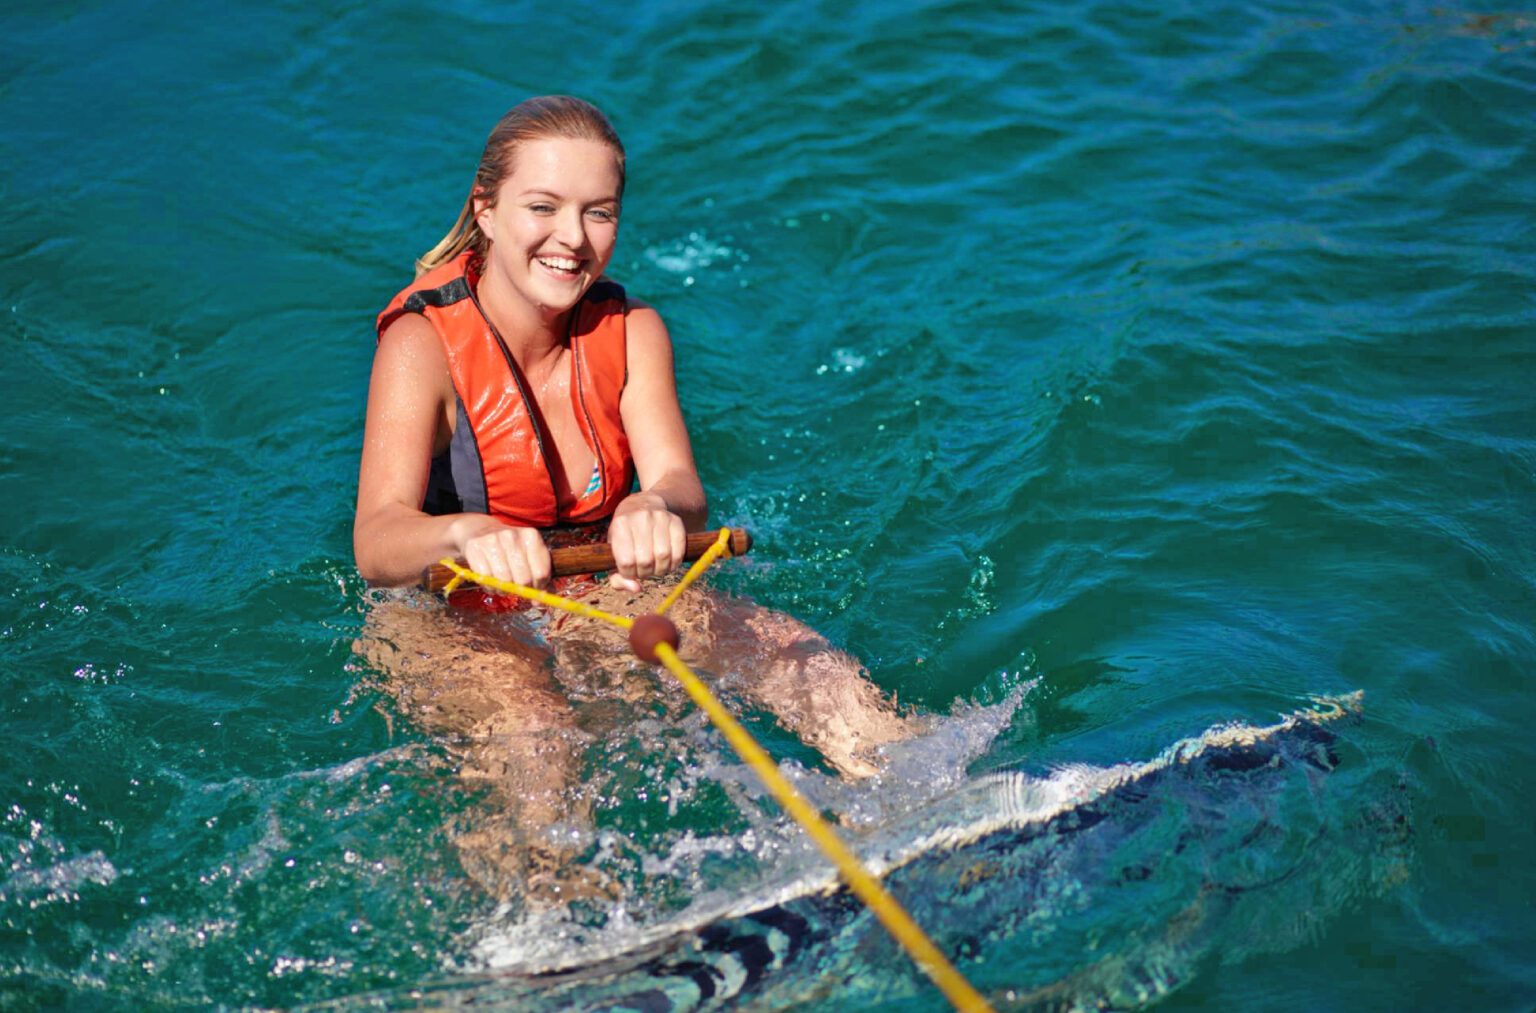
<point x="974" y="867"/>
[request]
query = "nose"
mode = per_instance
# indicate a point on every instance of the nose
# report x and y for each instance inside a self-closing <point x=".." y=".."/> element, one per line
<point x="570" y="228"/>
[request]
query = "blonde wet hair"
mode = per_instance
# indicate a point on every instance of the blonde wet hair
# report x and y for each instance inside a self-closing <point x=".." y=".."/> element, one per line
<point x="534" y="119"/>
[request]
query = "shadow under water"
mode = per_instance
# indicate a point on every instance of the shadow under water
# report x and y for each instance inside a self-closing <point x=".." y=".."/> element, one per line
<point x="1082" y="887"/>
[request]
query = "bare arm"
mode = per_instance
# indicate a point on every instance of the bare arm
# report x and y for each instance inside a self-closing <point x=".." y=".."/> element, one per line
<point x="409" y="397"/>
<point x="648" y="528"/>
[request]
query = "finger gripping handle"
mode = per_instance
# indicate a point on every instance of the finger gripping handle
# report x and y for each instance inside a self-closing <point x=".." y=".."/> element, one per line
<point x="576" y="559"/>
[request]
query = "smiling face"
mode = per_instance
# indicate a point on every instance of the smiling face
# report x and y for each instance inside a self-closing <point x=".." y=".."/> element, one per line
<point x="554" y="221"/>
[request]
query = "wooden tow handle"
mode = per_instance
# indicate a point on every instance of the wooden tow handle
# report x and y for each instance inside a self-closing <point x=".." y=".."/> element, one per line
<point x="576" y="559"/>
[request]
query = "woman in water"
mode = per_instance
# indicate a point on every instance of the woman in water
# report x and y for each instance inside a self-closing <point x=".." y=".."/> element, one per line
<point x="516" y="396"/>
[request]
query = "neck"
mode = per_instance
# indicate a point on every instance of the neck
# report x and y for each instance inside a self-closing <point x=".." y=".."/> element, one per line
<point x="530" y="332"/>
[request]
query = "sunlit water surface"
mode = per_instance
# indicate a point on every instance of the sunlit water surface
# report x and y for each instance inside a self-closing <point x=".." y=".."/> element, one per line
<point x="1098" y="375"/>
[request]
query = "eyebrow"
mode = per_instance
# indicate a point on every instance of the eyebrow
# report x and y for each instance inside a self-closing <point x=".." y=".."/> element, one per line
<point x="614" y="198"/>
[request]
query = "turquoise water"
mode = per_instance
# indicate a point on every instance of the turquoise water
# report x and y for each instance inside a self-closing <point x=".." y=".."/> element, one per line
<point x="1177" y="357"/>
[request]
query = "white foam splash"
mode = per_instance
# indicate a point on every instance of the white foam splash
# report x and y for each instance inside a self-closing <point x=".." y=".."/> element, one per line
<point x="949" y="817"/>
<point x="918" y="771"/>
<point x="686" y="256"/>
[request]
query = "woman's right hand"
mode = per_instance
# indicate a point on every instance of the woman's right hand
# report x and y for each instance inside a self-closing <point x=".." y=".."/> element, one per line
<point x="507" y="553"/>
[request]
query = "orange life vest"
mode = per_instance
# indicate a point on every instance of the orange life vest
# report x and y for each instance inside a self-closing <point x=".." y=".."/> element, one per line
<point x="497" y="462"/>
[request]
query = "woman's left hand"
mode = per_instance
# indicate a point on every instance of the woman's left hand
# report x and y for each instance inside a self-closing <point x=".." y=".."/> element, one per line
<point x="647" y="539"/>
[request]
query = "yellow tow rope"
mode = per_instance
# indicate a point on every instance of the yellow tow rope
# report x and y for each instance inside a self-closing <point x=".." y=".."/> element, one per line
<point x="864" y="885"/>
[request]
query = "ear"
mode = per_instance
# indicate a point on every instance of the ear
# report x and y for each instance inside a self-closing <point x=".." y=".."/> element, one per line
<point x="483" y="206"/>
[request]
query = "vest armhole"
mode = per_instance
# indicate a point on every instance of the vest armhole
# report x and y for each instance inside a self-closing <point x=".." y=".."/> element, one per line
<point x="388" y="319"/>
<point x="420" y="319"/>
<point x="630" y="304"/>
<point x="467" y="464"/>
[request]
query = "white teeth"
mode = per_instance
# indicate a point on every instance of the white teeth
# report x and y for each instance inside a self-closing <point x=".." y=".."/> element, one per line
<point x="560" y="263"/>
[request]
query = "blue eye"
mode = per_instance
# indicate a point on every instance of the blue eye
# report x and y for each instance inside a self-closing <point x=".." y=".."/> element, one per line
<point x="541" y="209"/>
<point x="603" y="214"/>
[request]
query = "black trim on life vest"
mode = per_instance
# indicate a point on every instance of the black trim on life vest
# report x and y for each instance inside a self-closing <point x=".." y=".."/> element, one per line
<point x="456" y="290"/>
<point x="468" y="462"/>
<point x="456" y="483"/>
<point x="528" y="402"/>
<point x="578" y="354"/>
<point x="605" y="290"/>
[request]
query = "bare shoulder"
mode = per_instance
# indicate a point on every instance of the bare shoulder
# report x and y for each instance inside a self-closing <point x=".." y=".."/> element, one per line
<point x="411" y="354"/>
<point x="411" y="333"/>
<point x="645" y="330"/>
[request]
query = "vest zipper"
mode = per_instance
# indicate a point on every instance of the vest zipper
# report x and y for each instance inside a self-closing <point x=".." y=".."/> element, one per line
<point x="528" y="405"/>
